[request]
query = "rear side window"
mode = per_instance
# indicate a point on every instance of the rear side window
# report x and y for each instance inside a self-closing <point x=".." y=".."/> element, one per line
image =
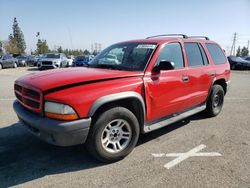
<point x="216" y="54"/>
<point x="172" y="52"/>
<point x="194" y="55"/>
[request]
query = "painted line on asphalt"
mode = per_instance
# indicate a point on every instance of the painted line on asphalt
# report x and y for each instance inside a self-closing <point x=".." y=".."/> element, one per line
<point x="234" y="98"/>
<point x="183" y="156"/>
<point x="10" y="99"/>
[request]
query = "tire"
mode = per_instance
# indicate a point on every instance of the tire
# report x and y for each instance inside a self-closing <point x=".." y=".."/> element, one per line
<point x="106" y="132"/>
<point x="215" y="101"/>
<point x="15" y="65"/>
<point x="1" y="66"/>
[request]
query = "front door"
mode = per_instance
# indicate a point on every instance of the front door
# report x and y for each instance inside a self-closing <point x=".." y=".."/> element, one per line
<point x="166" y="91"/>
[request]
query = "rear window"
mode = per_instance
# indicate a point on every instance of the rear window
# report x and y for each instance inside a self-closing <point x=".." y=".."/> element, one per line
<point x="216" y="54"/>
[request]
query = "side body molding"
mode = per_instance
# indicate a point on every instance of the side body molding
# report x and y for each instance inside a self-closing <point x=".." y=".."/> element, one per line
<point x="115" y="97"/>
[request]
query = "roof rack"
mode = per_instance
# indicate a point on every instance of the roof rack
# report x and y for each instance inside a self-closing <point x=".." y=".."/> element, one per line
<point x="206" y="38"/>
<point x="168" y="35"/>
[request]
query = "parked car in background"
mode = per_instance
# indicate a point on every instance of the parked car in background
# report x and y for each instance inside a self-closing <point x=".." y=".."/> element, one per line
<point x="7" y="61"/>
<point x="247" y="58"/>
<point x="80" y="61"/>
<point x="70" y="60"/>
<point x="32" y="60"/>
<point x="52" y="60"/>
<point x="238" y="63"/>
<point x="21" y="61"/>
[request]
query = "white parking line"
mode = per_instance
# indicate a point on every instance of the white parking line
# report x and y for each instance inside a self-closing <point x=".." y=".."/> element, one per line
<point x="182" y="156"/>
<point x="10" y="99"/>
<point x="235" y="98"/>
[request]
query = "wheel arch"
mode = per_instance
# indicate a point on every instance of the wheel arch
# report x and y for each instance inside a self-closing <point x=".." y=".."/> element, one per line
<point x="133" y="101"/>
<point x="222" y="83"/>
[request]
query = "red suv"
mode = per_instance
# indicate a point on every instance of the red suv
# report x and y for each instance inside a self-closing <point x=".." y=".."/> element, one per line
<point x="130" y="88"/>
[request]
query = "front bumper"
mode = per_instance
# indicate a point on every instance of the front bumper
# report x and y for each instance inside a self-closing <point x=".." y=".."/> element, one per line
<point x="56" y="132"/>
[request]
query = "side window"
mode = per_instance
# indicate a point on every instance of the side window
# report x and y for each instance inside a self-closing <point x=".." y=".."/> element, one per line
<point x="204" y="56"/>
<point x="194" y="55"/>
<point x="216" y="53"/>
<point x="172" y="52"/>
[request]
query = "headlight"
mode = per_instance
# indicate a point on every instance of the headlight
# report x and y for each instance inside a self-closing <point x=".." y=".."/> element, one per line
<point x="59" y="111"/>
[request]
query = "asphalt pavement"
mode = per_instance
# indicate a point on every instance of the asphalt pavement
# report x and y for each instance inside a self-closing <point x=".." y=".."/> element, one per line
<point x="196" y="152"/>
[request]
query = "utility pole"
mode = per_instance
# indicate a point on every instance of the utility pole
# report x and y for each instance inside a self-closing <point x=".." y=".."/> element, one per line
<point x="233" y="45"/>
<point x="248" y="44"/>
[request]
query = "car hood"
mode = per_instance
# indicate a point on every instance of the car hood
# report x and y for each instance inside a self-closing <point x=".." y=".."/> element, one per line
<point x="55" y="79"/>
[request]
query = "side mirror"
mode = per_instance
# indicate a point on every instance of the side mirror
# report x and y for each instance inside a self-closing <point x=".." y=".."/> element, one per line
<point x="164" y="65"/>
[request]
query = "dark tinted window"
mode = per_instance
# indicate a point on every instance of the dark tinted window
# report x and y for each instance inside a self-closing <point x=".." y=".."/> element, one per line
<point x="172" y="52"/>
<point x="216" y="54"/>
<point x="204" y="56"/>
<point x="194" y="55"/>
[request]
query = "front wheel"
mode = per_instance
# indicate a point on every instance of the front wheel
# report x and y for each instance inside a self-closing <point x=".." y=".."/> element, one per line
<point x="113" y="135"/>
<point x="215" y="101"/>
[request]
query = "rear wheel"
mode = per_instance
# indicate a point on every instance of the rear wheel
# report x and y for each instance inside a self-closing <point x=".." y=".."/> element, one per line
<point x="215" y="101"/>
<point x="113" y="135"/>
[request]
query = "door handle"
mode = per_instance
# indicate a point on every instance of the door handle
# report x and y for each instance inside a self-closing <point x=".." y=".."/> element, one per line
<point x="185" y="78"/>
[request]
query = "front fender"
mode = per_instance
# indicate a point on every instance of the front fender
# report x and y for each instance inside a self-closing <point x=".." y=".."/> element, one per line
<point x="115" y="97"/>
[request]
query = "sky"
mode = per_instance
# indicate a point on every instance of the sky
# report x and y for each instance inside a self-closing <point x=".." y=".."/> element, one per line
<point x="77" y="24"/>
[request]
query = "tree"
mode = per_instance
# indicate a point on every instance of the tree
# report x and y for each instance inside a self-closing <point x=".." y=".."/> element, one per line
<point x="86" y="52"/>
<point x="244" y="51"/>
<point x="60" y="50"/>
<point x="1" y="48"/>
<point x="238" y="53"/>
<point x="42" y="47"/>
<point x="16" y="43"/>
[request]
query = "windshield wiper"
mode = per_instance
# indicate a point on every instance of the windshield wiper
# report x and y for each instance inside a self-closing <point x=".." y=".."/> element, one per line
<point x="106" y="66"/>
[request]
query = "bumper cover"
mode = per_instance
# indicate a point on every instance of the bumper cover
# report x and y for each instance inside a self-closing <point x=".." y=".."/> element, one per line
<point x="56" y="132"/>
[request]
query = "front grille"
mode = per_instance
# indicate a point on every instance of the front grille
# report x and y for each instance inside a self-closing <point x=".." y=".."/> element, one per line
<point x="29" y="97"/>
<point x="47" y="63"/>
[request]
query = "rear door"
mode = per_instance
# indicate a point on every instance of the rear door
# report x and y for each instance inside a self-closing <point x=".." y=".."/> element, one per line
<point x="166" y="90"/>
<point x="200" y="73"/>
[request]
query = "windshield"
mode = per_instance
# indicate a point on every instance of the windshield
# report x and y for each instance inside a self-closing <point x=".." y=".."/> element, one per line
<point x="56" y="56"/>
<point x="130" y="56"/>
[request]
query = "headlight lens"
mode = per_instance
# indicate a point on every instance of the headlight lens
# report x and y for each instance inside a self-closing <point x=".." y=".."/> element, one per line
<point x="59" y="111"/>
